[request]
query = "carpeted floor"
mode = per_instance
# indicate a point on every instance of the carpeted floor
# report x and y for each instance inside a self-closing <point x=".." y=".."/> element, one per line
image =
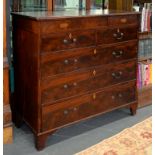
<point x="77" y="137"/>
<point x="136" y="140"/>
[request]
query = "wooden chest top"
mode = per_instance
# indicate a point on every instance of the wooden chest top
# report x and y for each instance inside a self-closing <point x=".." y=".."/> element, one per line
<point x="47" y="15"/>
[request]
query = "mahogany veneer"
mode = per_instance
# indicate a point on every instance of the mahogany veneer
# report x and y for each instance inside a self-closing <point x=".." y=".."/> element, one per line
<point x="71" y="66"/>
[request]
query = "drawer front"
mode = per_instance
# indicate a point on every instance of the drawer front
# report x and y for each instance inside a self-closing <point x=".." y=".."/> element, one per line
<point x="114" y="35"/>
<point x="71" y="60"/>
<point x="78" y="83"/>
<point x="63" y="113"/>
<point x="68" y="40"/>
<point x="63" y="25"/>
<point x="122" y="20"/>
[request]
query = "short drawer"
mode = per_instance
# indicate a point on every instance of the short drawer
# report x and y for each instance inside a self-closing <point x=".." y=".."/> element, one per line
<point x="71" y="60"/>
<point x="67" y="40"/>
<point x="68" y="24"/>
<point x="63" y="113"/>
<point x="78" y="83"/>
<point x="122" y="20"/>
<point x="118" y="34"/>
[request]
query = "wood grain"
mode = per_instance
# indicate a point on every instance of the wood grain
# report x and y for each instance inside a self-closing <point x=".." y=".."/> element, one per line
<point x="66" y="25"/>
<point x="54" y="63"/>
<point x="75" y="109"/>
<point x="79" y="83"/>
<point x="69" y="40"/>
<point x="118" y="34"/>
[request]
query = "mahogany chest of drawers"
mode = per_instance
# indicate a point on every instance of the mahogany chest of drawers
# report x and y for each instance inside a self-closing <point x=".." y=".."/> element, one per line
<point x="72" y="65"/>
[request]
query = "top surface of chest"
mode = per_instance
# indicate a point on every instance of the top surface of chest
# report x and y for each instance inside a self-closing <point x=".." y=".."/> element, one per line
<point x="63" y="21"/>
<point x="54" y="15"/>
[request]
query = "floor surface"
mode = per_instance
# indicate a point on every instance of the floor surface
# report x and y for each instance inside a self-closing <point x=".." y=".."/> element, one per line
<point x="77" y="137"/>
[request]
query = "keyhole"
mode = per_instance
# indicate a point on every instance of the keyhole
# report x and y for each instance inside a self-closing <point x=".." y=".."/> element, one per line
<point x="118" y="30"/>
<point x="70" y="36"/>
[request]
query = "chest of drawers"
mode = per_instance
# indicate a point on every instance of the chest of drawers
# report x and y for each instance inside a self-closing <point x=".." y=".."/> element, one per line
<point x="71" y="66"/>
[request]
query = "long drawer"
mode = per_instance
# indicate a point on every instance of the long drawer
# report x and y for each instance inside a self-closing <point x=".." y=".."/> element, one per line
<point x="117" y="34"/>
<point x="54" y="116"/>
<point x="77" y="83"/>
<point x="63" y="25"/>
<point x="67" y="40"/>
<point x="69" y="24"/>
<point x="71" y="60"/>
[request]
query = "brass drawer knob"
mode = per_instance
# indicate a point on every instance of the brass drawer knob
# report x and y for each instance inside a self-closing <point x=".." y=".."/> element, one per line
<point x="94" y="72"/>
<point x="75" y="84"/>
<point x="117" y="54"/>
<point x="65" y="41"/>
<point x="121" y="52"/>
<point x="120" y="95"/>
<point x="66" y="112"/>
<point x="75" y="60"/>
<point x="113" y="97"/>
<point x="66" y="62"/>
<point x="117" y="75"/>
<point x="94" y="96"/>
<point x="65" y="86"/>
<point x="75" y="109"/>
<point x="70" y="39"/>
<point x="74" y="40"/>
<point x="118" y="35"/>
